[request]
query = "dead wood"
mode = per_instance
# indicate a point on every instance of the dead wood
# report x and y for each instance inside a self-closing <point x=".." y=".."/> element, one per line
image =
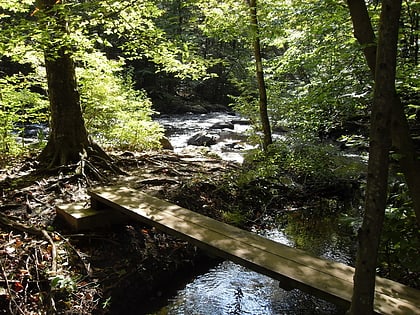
<point x="77" y="252"/>
<point x="5" y="220"/>
<point x="53" y="252"/>
<point x="159" y="181"/>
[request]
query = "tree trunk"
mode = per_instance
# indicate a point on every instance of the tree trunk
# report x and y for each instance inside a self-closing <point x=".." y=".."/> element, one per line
<point x="363" y="31"/>
<point x="380" y="144"/>
<point x="68" y="137"/>
<point x="265" y="121"/>
<point x="401" y="138"/>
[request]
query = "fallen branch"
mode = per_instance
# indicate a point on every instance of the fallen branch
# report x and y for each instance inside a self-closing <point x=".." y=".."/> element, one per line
<point x="85" y="265"/>
<point x="5" y="220"/>
<point x="9" y="292"/>
<point x="53" y="252"/>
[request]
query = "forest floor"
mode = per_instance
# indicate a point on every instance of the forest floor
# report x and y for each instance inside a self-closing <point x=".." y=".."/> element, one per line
<point x="129" y="268"/>
<point x="46" y="268"/>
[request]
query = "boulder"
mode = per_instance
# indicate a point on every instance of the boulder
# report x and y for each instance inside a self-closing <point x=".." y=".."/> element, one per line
<point x="223" y="125"/>
<point x="165" y="143"/>
<point x="201" y="139"/>
<point x="241" y="121"/>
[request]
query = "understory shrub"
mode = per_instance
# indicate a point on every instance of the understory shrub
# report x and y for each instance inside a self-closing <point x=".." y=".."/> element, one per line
<point x="302" y="161"/>
<point x="115" y="113"/>
<point x="18" y="106"/>
<point x="399" y="255"/>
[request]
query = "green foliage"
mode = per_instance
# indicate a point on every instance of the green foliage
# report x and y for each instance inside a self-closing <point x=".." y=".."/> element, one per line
<point x="319" y="79"/>
<point x="302" y="161"/>
<point x="140" y="37"/>
<point x="294" y="170"/>
<point x="115" y="113"/>
<point x="63" y="283"/>
<point x="319" y="234"/>
<point x="408" y="85"/>
<point x="225" y="21"/>
<point x="181" y="61"/>
<point x="315" y="74"/>
<point x="399" y="252"/>
<point x="18" y="106"/>
<point x="237" y="218"/>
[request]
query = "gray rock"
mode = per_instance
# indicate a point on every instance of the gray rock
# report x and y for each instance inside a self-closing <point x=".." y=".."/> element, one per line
<point x="166" y="144"/>
<point x="223" y="125"/>
<point x="201" y="139"/>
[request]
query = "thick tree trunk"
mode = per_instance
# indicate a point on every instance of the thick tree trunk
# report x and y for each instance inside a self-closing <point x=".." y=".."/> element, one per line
<point x="68" y="135"/>
<point x="68" y="138"/>
<point x="380" y="144"/>
<point x="263" y="103"/>
<point x="401" y="138"/>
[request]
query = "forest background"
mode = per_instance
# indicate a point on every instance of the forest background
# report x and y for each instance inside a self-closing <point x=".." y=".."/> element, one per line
<point x="133" y="61"/>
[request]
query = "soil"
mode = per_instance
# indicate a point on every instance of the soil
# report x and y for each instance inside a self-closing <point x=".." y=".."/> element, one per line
<point x="130" y="268"/>
<point x="46" y="268"/>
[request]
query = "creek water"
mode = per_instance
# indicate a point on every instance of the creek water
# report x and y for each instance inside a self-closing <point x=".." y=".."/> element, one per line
<point x="230" y="143"/>
<point x="232" y="289"/>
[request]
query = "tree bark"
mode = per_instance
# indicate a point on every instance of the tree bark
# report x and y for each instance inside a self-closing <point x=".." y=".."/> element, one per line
<point x="263" y="103"/>
<point x="380" y="144"/>
<point x="68" y="137"/>
<point x="401" y="137"/>
<point x="363" y="31"/>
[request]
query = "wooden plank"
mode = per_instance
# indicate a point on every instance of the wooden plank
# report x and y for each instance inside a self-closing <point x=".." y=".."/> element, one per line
<point x="329" y="280"/>
<point x="80" y="217"/>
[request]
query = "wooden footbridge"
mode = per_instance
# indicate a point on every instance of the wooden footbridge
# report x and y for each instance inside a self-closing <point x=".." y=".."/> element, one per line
<point x="294" y="268"/>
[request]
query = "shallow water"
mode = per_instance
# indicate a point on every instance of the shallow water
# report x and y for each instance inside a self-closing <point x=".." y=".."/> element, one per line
<point x="232" y="289"/>
<point x="230" y="145"/>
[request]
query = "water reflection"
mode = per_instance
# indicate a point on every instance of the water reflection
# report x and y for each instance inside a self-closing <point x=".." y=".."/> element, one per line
<point x="324" y="235"/>
<point x="233" y="289"/>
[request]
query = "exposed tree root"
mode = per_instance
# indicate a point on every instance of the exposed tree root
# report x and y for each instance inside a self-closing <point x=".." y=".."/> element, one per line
<point x="5" y="220"/>
<point x="90" y="162"/>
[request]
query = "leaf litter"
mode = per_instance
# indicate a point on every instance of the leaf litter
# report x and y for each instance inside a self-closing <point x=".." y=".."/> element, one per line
<point x="48" y="269"/>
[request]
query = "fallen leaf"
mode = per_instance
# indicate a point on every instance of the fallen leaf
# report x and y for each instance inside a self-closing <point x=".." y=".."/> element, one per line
<point x="18" y="287"/>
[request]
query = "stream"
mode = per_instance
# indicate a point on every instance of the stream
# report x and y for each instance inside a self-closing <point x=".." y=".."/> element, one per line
<point x="229" y="288"/>
<point x="229" y="142"/>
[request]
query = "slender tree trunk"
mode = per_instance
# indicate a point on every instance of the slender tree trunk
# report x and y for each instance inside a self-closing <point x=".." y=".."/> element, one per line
<point x="363" y="31"/>
<point x="265" y="121"/>
<point x="401" y="138"/>
<point x="380" y="144"/>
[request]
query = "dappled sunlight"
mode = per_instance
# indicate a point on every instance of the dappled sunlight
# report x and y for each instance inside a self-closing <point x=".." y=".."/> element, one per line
<point x="329" y="280"/>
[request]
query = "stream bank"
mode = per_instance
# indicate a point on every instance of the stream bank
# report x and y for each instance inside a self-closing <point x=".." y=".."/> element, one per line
<point x="125" y="269"/>
<point x="103" y="271"/>
<point x="119" y="270"/>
